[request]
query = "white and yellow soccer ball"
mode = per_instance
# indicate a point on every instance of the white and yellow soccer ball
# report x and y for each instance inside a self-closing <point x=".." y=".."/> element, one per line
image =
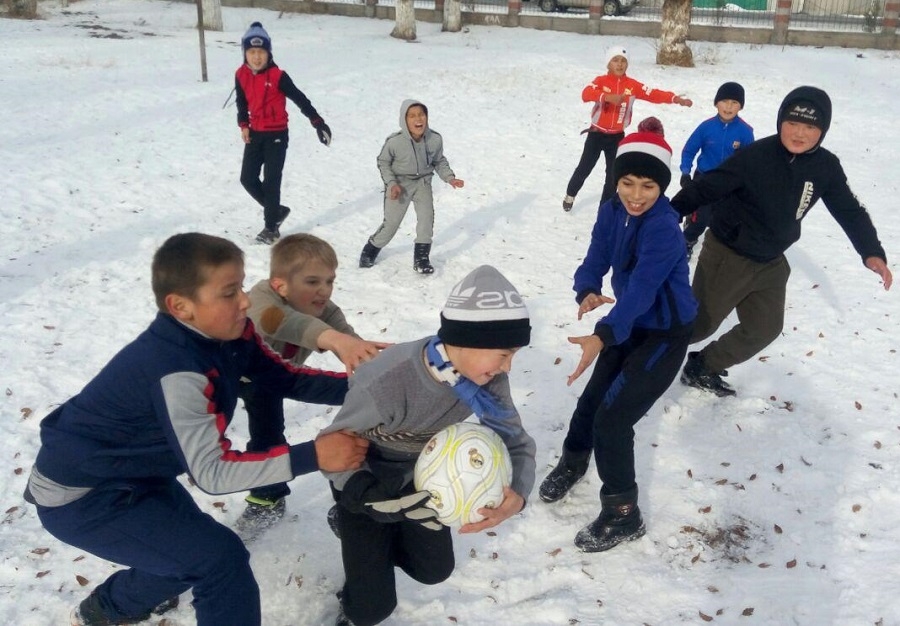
<point x="465" y="467"/>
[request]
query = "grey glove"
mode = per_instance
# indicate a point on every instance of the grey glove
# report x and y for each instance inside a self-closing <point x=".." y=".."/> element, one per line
<point x="407" y="508"/>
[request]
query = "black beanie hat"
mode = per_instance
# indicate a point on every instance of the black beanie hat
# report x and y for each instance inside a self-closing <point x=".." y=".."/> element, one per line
<point x="730" y="91"/>
<point x="484" y="310"/>
<point x="817" y="107"/>
<point x="645" y="154"/>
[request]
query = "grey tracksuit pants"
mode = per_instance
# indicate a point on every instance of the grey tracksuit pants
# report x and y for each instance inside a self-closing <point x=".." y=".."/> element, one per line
<point x="418" y="192"/>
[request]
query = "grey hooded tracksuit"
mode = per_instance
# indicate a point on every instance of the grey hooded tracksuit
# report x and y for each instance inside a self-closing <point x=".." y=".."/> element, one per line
<point x="410" y="164"/>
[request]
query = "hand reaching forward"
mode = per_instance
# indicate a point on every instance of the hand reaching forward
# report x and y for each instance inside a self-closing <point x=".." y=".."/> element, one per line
<point x="591" y="302"/>
<point x="512" y="504"/>
<point x="352" y="351"/>
<point x="591" y="345"/>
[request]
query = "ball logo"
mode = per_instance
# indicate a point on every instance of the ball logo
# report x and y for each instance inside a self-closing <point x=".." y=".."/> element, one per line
<point x="476" y="460"/>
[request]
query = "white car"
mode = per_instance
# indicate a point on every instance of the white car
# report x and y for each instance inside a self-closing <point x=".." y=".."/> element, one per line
<point x="610" y="7"/>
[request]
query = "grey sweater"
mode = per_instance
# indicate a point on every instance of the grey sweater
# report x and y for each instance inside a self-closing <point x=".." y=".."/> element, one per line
<point x="397" y="405"/>
<point x="404" y="158"/>
<point x="290" y="333"/>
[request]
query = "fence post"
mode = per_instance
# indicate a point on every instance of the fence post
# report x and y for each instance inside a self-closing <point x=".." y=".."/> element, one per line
<point x="782" y="21"/>
<point x="439" y="9"/>
<point x="891" y="12"/>
<point x="513" y="8"/>
<point x="595" y="13"/>
<point x="370" y="7"/>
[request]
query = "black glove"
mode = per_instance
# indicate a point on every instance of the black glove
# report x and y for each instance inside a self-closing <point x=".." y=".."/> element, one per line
<point x="322" y="130"/>
<point x="685" y="180"/>
<point x="364" y="493"/>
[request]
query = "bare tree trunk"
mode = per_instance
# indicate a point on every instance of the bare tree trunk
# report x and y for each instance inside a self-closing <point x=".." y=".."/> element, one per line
<point x="212" y="15"/>
<point x="22" y="8"/>
<point x="675" y="22"/>
<point x="452" y="17"/>
<point x="405" y="21"/>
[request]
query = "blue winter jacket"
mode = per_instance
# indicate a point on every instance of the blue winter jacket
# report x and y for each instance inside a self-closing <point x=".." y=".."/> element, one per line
<point x="160" y="408"/>
<point x="715" y="140"/>
<point x="648" y="259"/>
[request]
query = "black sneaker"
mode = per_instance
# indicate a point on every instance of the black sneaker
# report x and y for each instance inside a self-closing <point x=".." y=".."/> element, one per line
<point x="332" y="518"/>
<point x="89" y="613"/>
<point x="283" y="212"/>
<point x="268" y="236"/>
<point x="695" y="374"/>
<point x="570" y="469"/>
<point x="260" y="515"/>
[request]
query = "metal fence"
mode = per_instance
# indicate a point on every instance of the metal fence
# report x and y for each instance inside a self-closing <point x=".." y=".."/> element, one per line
<point x="863" y="16"/>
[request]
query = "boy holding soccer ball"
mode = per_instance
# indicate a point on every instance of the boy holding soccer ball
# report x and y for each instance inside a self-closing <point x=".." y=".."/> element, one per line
<point x="397" y="402"/>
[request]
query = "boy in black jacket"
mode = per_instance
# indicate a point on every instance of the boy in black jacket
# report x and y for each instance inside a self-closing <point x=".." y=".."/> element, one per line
<point x="762" y="193"/>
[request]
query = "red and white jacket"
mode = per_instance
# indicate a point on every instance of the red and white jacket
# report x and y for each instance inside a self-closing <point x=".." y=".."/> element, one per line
<point x="614" y="118"/>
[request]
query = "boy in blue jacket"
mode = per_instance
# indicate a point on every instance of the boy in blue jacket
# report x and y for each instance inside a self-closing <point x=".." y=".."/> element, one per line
<point x="715" y="139"/>
<point x="105" y="477"/>
<point x="639" y="345"/>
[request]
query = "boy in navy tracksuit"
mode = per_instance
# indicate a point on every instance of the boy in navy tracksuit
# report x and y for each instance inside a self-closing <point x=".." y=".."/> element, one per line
<point x="105" y="477"/>
<point x="639" y="345"/>
<point x="715" y="139"/>
<point x="261" y="91"/>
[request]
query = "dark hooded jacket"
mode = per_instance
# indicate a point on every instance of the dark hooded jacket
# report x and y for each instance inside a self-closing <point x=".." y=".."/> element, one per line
<point x="762" y="193"/>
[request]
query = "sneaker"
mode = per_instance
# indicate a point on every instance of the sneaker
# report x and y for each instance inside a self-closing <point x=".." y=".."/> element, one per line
<point x="568" y="202"/>
<point x="695" y="374"/>
<point x="283" y="212"/>
<point x="260" y="515"/>
<point x="332" y="518"/>
<point x="268" y="236"/>
<point x="89" y="613"/>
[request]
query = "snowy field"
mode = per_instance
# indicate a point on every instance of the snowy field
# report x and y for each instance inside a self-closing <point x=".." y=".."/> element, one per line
<point x="780" y="506"/>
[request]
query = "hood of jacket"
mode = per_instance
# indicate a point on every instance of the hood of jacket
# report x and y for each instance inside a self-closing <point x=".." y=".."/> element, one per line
<point x="814" y="95"/>
<point x="404" y="107"/>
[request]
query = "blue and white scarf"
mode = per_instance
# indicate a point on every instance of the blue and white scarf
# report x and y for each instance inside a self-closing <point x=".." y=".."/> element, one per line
<point x="489" y="408"/>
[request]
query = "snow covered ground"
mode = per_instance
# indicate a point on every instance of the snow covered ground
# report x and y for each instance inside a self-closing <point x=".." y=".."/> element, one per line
<point x="780" y="506"/>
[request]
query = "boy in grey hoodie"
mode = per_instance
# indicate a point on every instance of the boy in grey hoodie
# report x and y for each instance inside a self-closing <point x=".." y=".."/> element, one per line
<point x="407" y="162"/>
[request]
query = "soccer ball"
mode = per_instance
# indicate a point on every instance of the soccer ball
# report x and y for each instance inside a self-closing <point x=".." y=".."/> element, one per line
<point x="465" y="467"/>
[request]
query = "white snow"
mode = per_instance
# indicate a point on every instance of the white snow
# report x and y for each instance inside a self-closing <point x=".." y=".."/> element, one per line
<point x="780" y="506"/>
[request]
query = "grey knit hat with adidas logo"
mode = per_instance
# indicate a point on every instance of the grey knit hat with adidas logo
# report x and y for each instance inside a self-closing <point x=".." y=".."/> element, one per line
<point x="484" y="310"/>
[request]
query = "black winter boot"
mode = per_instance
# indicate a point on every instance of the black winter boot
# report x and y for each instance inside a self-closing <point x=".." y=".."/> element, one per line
<point x="421" y="263"/>
<point x="571" y="467"/>
<point x="696" y="374"/>
<point x="369" y="253"/>
<point x="619" y="521"/>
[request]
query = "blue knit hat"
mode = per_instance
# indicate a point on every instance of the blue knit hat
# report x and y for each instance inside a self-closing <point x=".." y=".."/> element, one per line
<point x="256" y="37"/>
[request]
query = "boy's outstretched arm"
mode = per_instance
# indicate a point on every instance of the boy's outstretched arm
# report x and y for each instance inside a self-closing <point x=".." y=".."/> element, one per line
<point x="352" y="351"/>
